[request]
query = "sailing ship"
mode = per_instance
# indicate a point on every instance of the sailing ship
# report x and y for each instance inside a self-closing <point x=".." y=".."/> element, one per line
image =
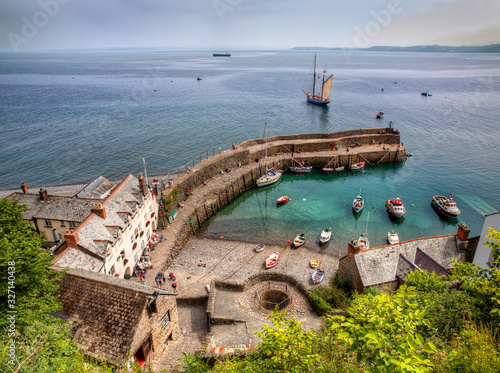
<point x="322" y="97"/>
<point x="271" y="176"/>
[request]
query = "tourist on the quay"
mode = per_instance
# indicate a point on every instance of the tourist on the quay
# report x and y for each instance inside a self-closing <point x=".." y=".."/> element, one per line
<point x="174" y="285"/>
<point x="204" y="182"/>
<point x="172" y="276"/>
<point x="158" y="280"/>
<point x="202" y="264"/>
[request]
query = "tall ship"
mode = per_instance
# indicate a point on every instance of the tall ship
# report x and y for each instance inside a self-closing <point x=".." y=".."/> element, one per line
<point x="320" y="94"/>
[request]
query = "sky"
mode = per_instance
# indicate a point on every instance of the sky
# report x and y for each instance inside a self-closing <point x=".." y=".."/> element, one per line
<point x="44" y="25"/>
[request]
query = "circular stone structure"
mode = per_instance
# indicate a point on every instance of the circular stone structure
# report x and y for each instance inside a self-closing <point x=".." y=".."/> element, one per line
<point x="274" y="294"/>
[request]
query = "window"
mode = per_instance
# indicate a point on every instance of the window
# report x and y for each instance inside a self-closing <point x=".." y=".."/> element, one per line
<point x="112" y="270"/>
<point x="165" y="320"/>
<point x="62" y="224"/>
<point x="72" y="224"/>
<point x="48" y="223"/>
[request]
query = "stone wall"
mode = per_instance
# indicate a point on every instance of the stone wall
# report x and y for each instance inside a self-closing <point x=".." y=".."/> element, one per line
<point x="348" y="271"/>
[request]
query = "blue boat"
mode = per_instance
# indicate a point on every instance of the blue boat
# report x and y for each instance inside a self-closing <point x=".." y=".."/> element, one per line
<point x="323" y="98"/>
<point x="317" y="276"/>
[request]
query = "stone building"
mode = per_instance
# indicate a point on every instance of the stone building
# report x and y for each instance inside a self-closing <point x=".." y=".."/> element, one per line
<point x="387" y="266"/>
<point x="116" y="320"/>
<point x="115" y="233"/>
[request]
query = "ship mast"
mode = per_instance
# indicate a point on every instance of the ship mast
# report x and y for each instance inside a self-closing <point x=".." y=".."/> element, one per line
<point x="314" y="80"/>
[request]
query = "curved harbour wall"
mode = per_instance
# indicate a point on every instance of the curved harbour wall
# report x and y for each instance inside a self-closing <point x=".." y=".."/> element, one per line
<point x="315" y="149"/>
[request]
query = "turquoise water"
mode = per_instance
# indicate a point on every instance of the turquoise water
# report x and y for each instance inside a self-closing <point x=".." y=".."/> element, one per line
<point x="320" y="200"/>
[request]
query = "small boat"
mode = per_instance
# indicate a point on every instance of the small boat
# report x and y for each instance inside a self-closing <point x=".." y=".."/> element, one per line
<point x="259" y="247"/>
<point x="301" y="169"/>
<point x="395" y="207"/>
<point x="409" y="154"/>
<point x="317" y="276"/>
<point x="271" y="176"/>
<point x="445" y="206"/>
<point x="227" y="54"/>
<point x="357" y="166"/>
<point x="428" y="94"/>
<point x="363" y="242"/>
<point x="379" y="115"/>
<point x="325" y="236"/>
<point x="198" y="78"/>
<point x="323" y="97"/>
<point x="283" y="199"/>
<point x="358" y="203"/>
<point x="328" y="169"/>
<point x="314" y="263"/>
<point x="392" y="237"/>
<point x="299" y="240"/>
<point x="341" y="168"/>
<point x="424" y="94"/>
<point x="272" y="259"/>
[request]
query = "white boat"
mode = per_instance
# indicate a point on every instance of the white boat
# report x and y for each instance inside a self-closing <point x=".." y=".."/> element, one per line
<point x="392" y="237"/>
<point x="358" y="203"/>
<point x="357" y="166"/>
<point x="272" y="259"/>
<point x="299" y="240"/>
<point x="339" y="168"/>
<point x="363" y="242"/>
<point x="395" y="207"/>
<point x="328" y="169"/>
<point x="259" y="247"/>
<point x="445" y="206"/>
<point x="317" y="276"/>
<point x="271" y="176"/>
<point x="301" y="169"/>
<point x="325" y="236"/>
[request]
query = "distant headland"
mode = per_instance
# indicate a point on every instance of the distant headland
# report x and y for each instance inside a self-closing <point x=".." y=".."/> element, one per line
<point x="492" y="48"/>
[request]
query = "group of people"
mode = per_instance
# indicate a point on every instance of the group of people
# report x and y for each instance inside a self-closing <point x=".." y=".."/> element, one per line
<point x="235" y="146"/>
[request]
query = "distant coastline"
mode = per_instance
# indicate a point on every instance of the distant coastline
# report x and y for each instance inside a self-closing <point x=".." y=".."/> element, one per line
<point x="492" y="48"/>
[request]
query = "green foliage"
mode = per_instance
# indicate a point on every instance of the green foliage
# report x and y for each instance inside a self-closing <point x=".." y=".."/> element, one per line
<point x="319" y="304"/>
<point x="425" y="281"/>
<point x="195" y="363"/>
<point x="382" y="331"/>
<point x="372" y="290"/>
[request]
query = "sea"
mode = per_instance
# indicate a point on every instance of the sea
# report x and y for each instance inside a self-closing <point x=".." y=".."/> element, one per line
<point x="68" y="117"/>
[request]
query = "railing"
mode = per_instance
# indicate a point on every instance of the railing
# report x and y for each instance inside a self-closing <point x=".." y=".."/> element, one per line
<point x="271" y="285"/>
<point x="186" y="167"/>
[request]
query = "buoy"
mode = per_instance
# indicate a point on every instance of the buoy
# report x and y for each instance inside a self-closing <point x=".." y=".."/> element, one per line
<point x="221" y="237"/>
<point x="288" y="241"/>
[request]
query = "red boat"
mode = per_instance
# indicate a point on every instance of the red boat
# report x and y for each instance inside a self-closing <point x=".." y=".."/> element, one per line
<point x="283" y="199"/>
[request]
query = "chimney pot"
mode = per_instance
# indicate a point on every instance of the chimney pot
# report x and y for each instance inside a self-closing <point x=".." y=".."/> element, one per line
<point x="24" y="187"/>
<point x="463" y="231"/>
<point x="43" y="194"/>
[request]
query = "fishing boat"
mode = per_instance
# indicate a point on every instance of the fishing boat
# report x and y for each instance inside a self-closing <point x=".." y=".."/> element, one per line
<point x="363" y="242"/>
<point x="358" y="203"/>
<point x="317" y="276"/>
<point x="395" y="207"/>
<point x="322" y="97"/>
<point x="445" y="206"/>
<point x="271" y="176"/>
<point x="227" y="54"/>
<point x="283" y="199"/>
<point x="299" y="240"/>
<point x="325" y="236"/>
<point x="392" y="237"/>
<point x="314" y="263"/>
<point x="259" y="247"/>
<point x="341" y="168"/>
<point x="379" y="115"/>
<point x="301" y="169"/>
<point x="272" y="259"/>
<point x="357" y="166"/>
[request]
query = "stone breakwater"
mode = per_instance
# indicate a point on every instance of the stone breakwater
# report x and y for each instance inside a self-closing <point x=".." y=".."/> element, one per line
<point x="201" y="201"/>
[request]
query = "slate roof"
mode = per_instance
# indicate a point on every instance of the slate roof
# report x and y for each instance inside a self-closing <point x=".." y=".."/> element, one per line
<point x="424" y="261"/>
<point x="99" y="188"/>
<point x="404" y="268"/>
<point x="379" y="265"/>
<point x="106" y="309"/>
<point x="54" y="207"/>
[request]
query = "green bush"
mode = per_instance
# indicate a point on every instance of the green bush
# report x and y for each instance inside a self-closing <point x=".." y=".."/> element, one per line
<point x="320" y="305"/>
<point x="425" y="281"/>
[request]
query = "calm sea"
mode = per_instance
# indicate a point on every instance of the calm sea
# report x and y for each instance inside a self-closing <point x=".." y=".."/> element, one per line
<point x="69" y="117"/>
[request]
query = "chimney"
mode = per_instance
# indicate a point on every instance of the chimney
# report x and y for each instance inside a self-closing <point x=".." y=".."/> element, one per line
<point x="71" y="238"/>
<point x="463" y="231"/>
<point x="24" y="187"/>
<point x="142" y="185"/>
<point x="98" y="209"/>
<point x="43" y="194"/>
<point x="352" y="249"/>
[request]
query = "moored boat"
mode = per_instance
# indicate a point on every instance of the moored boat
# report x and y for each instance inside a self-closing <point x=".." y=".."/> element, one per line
<point x="395" y="207"/>
<point x="379" y="115"/>
<point x="271" y="176"/>
<point x="328" y="169"/>
<point x="341" y="168"/>
<point x="301" y="169"/>
<point x="314" y="263"/>
<point x="392" y="237"/>
<point x="259" y="247"/>
<point x="317" y="276"/>
<point x="323" y="97"/>
<point x="272" y="259"/>
<point x="445" y="206"/>
<point x="357" y="166"/>
<point x="299" y="240"/>
<point x="363" y="242"/>
<point x="325" y="236"/>
<point x="358" y="203"/>
<point x="283" y="199"/>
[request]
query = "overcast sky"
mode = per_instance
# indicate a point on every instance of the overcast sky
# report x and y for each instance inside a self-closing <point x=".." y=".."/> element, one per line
<point x="38" y="25"/>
